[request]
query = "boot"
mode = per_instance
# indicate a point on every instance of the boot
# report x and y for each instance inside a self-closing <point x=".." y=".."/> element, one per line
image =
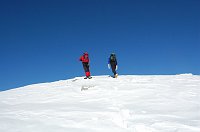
<point x="89" y="77"/>
<point x="116" y="75"/>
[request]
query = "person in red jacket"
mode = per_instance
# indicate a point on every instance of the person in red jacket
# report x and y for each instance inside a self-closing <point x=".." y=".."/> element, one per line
<point x="85" y="61"/>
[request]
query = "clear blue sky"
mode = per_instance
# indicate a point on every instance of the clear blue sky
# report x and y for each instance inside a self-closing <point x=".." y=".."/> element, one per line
<point x="41" y="41"/>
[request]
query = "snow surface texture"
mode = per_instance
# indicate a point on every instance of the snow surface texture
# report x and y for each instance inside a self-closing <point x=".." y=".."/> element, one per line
<point x="167" y="103"/>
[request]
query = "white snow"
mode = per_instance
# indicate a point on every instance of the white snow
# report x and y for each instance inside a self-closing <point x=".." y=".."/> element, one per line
<point x="130" y="103"/>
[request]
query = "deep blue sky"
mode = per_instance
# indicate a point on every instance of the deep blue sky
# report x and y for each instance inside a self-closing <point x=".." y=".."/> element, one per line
<point x="41" y="41"/>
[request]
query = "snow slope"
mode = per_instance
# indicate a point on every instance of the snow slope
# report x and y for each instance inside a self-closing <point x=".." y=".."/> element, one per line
<point x="165" y="103"/>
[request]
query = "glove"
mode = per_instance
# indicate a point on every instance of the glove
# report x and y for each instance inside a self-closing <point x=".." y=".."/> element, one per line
<point x="108" y="66"/>
<point x="116" y="67"/>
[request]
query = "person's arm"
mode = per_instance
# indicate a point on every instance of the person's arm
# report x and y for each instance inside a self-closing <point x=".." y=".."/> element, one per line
<point x="108" y="63"/>
<point x="80" y="59"/>
<point x="116" y="65"/>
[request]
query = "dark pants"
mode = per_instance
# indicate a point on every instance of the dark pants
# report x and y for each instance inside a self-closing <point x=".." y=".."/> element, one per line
<point x="113" y="67"/>
<point x="86" y="68"/>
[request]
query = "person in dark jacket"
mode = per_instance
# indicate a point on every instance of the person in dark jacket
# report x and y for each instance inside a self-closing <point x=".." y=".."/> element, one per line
<point x="85" y="61"/>
<point x="112" y="62"/>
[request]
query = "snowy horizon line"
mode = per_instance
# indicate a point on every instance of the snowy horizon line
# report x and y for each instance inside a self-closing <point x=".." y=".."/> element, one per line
<point x="185" y="74"/>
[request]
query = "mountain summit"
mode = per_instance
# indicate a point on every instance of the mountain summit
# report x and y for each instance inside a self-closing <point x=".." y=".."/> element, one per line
<point x="129" y="103"/>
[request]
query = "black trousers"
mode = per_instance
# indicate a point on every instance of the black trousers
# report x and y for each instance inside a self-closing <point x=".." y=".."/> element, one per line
<point x="113" y="67"/>
<point x="86" y="67"/>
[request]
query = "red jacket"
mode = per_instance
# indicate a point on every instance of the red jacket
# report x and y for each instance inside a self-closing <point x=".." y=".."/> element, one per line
<point x="84" y="58"/>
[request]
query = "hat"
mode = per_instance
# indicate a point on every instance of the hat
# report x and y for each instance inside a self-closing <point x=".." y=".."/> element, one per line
<point x="85" y="53"/>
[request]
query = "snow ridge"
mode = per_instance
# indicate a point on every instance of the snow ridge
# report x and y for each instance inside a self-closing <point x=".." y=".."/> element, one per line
<point x="154" y="103"/>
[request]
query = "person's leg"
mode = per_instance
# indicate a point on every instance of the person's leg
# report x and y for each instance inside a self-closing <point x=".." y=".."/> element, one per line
<point x="87" y="70"/>
<point x="113" y="66"/>
<point x="84" y="67"/>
